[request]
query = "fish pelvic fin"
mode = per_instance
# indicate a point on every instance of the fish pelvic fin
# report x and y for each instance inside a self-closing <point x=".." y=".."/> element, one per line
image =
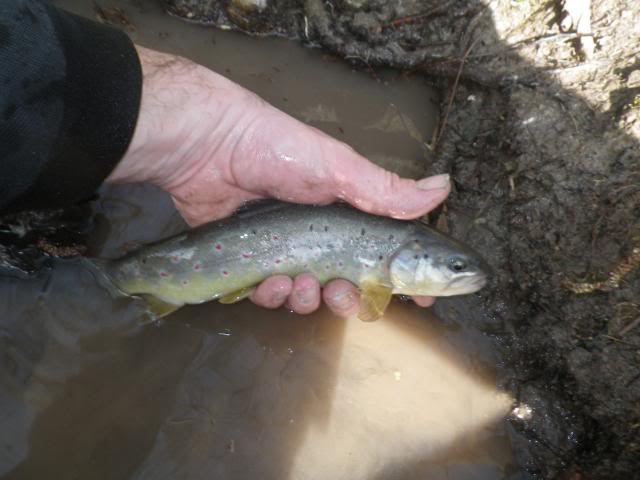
<point x="374" y="299"/>
<point x="236" y="296"/>
<point x="159" y="308"/>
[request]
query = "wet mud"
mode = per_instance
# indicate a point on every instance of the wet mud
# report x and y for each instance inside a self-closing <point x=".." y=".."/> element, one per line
<point x="91" y="387"/>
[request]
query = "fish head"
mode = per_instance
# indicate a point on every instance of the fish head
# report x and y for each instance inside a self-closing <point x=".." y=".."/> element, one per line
<point x="433" y="264"/>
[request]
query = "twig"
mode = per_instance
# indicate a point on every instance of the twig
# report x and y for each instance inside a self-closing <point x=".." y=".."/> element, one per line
<point x="615" y="339"/>
<point x="547" y="37"/>
<point x="621" y="270"/>
<point x="398" y="22"/>
<point x="454" y="89"/>
<point x="629" y="327"/>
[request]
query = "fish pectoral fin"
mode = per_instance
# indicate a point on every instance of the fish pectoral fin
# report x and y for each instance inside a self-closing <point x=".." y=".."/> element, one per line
<point x="158" y="307"/>
<point x="236" y="296"/>
<point x="374" y="300"/>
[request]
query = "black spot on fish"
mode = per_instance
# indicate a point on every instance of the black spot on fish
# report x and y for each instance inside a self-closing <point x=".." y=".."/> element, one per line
<point x="254" y="232"/>
<point x="363" y="232"/>
<point x="391" y="237"/>
<point x="416" y="257"/>
<point x="144" y="260"/>
<point x="311" y="228"/>
<point x="381" y="257"/>
<point x="326" y="229"/>
<point x="425" y="256"/>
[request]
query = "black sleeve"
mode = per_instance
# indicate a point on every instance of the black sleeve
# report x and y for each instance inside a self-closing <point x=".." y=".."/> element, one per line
<point x="69" y="98"/>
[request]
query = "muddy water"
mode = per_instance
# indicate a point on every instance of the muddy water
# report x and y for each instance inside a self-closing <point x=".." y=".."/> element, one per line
<point x="91" y="389"/>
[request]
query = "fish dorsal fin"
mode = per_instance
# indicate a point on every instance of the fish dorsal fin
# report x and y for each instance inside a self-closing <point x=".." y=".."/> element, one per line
<point x="374" y="299"/>
<point x="158" y="307"/>
<point x="236" y="296"/>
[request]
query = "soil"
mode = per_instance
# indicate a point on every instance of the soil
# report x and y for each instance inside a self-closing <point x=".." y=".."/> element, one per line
<point x="542" y="141"/>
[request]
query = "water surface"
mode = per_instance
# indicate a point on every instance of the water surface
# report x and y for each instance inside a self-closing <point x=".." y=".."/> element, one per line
<point x="90" y="388"/>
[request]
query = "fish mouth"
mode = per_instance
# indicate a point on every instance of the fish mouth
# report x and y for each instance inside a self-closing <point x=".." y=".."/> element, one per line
<point x="469" y="284"/>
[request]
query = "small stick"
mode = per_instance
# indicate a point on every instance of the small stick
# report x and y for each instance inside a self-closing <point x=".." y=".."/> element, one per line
<point x="629" y="327"/>
<point x="621" y="270"/>
<point x="615" y="339"/>
<point x="398" y="22"/>
<point x="453" y="93"/>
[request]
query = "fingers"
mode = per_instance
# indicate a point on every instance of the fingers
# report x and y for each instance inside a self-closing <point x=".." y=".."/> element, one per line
<point x="304" y="165"/>
<point x="375" y="190"/>
<point x="273" y="292"/>
<point x="341" y="297"/>
<point x="305" y="294"/>
<point x="424" y="301"/>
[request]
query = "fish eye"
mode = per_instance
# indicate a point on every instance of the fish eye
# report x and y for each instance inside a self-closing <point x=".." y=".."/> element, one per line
<point x="457" y="265"/>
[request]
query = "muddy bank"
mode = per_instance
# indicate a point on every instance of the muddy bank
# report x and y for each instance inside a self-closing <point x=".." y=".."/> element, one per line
<point x="543" y="145"/>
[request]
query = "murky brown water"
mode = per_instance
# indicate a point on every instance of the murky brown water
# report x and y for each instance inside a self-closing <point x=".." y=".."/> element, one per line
<point x="91" y="389"/>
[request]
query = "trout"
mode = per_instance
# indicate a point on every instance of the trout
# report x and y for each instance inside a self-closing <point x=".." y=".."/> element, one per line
<point x="226" y="259"/>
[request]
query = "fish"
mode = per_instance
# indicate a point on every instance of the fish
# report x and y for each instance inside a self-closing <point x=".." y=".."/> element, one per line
<point x="225" y="260"/>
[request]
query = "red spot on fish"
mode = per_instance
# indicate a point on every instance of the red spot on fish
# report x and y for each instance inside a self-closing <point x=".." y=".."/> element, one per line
<point x="246" y="255"/>
<point x="163" y="274"/>
<point x="275" y="237"/>
<point x="197" y="267"/>
<point x="218" y="247"/>
<point x="225" y="273"/>
<point x="278" y="260"/>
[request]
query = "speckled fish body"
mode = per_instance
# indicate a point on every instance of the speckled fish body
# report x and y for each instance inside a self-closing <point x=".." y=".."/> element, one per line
<point x="337" y="241"/>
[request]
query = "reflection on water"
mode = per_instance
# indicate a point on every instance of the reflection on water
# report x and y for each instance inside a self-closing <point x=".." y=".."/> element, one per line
<point x="90" y="388"/>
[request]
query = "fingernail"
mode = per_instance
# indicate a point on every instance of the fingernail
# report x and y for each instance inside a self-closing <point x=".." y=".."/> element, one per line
<point x="434" y="183"/>
<point x="304" y="296"/>
<point x="343" y="300"/>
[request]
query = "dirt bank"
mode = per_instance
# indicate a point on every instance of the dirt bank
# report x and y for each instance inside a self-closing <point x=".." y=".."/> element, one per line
<point x="542" y="139"/>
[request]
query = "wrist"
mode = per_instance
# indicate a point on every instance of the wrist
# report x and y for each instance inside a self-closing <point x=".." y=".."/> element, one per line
<point x="177" y="113"/>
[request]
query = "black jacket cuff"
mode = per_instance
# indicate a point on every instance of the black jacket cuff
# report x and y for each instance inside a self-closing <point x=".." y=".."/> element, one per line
<point x="70" y="107"/>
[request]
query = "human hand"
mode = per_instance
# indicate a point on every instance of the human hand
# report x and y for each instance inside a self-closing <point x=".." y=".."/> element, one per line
<point x="213" y="145"/>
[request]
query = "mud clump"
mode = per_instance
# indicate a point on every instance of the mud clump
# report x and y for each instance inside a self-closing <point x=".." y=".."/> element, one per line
<point x="542" y="141"/>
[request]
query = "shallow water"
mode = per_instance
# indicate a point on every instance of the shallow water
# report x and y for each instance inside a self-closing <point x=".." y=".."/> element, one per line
<point x="90" y="388"/>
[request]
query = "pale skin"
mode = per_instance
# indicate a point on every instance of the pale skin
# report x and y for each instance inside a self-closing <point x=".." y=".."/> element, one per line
<point x="213" y="145"/>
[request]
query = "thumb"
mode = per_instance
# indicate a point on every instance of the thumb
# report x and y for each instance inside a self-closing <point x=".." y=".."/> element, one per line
<point x="375" y="190"/>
